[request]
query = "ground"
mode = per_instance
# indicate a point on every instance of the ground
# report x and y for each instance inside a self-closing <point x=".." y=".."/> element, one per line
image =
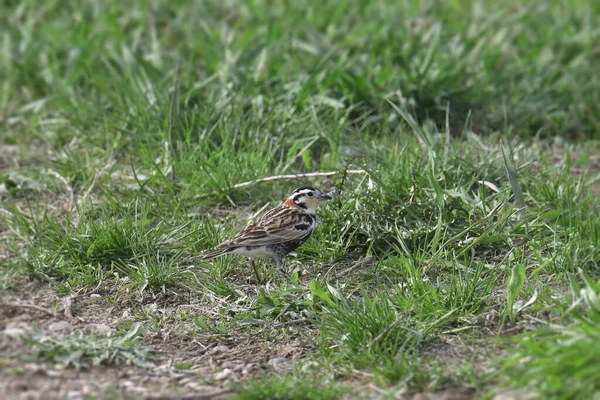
<point x="215" y="360"/>
<point x="458" y="259"/>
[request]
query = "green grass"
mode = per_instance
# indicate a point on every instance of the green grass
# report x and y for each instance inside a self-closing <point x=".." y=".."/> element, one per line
<point x="292" y="387"/>
<point x="133" y="122"/>
<point x="83" y="352"/>
<point x="561" y="360"/>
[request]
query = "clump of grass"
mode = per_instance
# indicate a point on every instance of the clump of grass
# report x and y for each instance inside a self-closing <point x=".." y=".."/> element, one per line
<point x="391" y="322"/>
<point x="100" y="243"/>
<point x="561" y="361"/>
<point x="82" y="352"/>
<point x="558" y="362"/>
<point x="294" y="387"/>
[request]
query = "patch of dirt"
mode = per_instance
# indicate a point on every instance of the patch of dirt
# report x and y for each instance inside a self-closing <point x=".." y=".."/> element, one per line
<point x="9" y="156"/>
<point x="592" y="165"/>
<point x="13" y="156"/>
<point x="456" y="393"/>
<point x="189" y="365"/>
<point x="39" y="381"/>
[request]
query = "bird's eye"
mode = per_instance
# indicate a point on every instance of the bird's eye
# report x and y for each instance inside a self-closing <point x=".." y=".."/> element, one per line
<point x="310" y="194"/>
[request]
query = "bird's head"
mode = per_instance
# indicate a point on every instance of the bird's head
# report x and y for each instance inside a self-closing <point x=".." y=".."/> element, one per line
<point x="307" y="198"/>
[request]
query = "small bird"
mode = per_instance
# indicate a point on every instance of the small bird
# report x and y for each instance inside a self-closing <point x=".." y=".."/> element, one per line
<point x="278" y="231"/>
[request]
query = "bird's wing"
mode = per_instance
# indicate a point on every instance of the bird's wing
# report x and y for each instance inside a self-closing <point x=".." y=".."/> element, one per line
<point x="278" y="225"/>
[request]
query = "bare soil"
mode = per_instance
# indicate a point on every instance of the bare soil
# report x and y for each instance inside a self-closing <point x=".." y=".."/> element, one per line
<point x="216" y="361"/>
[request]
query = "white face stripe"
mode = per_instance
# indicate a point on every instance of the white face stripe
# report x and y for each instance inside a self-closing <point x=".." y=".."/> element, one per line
<point x="307" y="191"/>
<point x="305" y="194"/>
<point x="307" y="198"/>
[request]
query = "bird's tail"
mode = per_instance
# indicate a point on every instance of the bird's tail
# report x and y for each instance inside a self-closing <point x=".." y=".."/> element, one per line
<point x="214" y="253"/>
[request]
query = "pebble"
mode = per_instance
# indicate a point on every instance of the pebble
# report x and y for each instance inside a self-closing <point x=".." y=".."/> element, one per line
<point x="247" y="369"/>
<point x="14" y="333"/>
<point x="224" y="374"/>
<point x="16" y="329"/>
<point x="513" y="395"/>
<point x="238" y="367"/>
<point x="219" y="350"/>
<point x="59" y="326"/>
<point x="201" y="389"/>
<point x="234" y="365"/>
<point x="279" y="362"/>
<point x="98" y="329"/>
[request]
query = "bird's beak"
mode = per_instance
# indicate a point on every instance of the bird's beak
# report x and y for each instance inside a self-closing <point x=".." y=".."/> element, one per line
<point x="325" y="196"/>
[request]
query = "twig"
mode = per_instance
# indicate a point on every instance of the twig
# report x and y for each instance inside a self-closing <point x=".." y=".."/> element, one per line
<point x="298" y="176"/>
<point x="389" y="328"/>
<point x="171" y="108"/>
<point x="280" y="325"/>
<point x="30" y="306"/>
<point x="111" y="162"/>
<point x="495" y="209"/>
<point x="383" y="333"/>
<point x="286" y="323"/>
<point x="373" y="387"/>
<point x="282" y="312"/>
<point x="66" y="304"/>
<point x="363" y="262"/>
<point x="194" y="396"/>
<point x="96" y="288"/>
<point x="288" y="177"/>
<point x="65" y="182"/>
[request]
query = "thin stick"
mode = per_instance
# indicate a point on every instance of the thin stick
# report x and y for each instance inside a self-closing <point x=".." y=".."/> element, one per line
<point x="272" y="325"/>
<point x="67" y="186"/>
<point x="111" y="162"/>
<point x="217" y="393"/>
<point x="389" y="328"/>
<point x="29" y="306"/>
<point x="286" y="323"/>
<point x="287" y="177"/>
<point x="282" y="312"/>
<point x="383" y="333"/>
<point x="171" y="108"/>
<point x="298" y="176"/>
<point x="66" y="304"/>
<point x="363" y="262"/>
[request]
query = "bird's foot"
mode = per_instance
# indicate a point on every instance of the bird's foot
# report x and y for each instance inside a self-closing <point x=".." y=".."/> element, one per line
<point x="255" y="268"/>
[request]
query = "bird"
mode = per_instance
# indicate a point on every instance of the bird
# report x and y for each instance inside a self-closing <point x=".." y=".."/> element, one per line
<point x="278" y="231"/>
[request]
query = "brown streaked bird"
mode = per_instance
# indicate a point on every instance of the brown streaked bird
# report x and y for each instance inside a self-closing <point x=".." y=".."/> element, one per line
<point x="278" y="231"/>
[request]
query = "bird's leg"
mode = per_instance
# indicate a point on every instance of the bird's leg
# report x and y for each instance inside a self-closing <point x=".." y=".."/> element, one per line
<point x="279" y="264"/>
<point x="255" y="270"/>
